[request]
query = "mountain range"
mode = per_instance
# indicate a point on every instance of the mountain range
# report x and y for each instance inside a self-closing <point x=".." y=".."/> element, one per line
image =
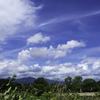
<point x="30" y="80"/>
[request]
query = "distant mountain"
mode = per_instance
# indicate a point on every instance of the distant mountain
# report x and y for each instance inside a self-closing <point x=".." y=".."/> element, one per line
<point x="52" y="81"/>
<point x="10" y="78"/>
<point x="30" y="80"/>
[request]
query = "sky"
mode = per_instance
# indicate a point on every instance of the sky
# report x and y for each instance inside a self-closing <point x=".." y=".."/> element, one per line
<point x="50" y="39"/>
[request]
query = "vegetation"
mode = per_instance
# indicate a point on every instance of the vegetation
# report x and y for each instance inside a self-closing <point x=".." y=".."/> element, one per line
<point x="41" y="90"/>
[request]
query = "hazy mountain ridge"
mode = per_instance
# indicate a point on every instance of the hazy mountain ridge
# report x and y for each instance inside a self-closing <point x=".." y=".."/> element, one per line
<point x="30" y="80"/>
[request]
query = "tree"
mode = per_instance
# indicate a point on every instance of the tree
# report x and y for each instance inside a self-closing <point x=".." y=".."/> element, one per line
<point x="98" y="83"/>
<point x="15" y="84"/>
<point x="89" y="84"/>
<point x="41" y="85"/>
<point x="40" y="81"/>
<point x="26" y="86"/>
<point x="78" y="87"/>
<point x="89" y="80"/>
<point x="3" y="86"/>
<point x="56" y="82"/>
<point x="3" y="83"/>
<point x="77" y="79"/>
<point x="68" y="82"/>
<point x="73" y="84"/>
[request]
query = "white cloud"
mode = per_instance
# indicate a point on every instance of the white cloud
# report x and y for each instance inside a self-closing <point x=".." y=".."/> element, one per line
<point x="37" y="38"/>
<point x="24" y="68"/>
<point x="94" y="62"/>
<point x="60" y="51"/>
<point x="63" y="70"/>
<point x="67" y="64"/>
<point x="71" y="44"/>
<point x="43" y="52"/>
<point x="9" y="67"/>
<point x="23" y="56"/>
<point x="58" y="54"/>
<point x="82" y="66"/>
<point x="39" y="53"/>
<point x="48" y="62"/>
<point x="15" y="14"/>
<point x="47" y="69"/>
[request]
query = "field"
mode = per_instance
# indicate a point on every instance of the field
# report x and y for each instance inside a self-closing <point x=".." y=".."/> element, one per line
<point x="83" y="94"/>
<point x="50" y="95"/>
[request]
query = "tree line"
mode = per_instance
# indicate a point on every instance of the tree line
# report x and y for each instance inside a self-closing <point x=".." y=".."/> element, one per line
<point x="88" y="85"/>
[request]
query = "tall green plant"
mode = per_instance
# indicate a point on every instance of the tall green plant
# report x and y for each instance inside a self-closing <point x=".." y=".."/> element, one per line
<point x="10" y="94"/>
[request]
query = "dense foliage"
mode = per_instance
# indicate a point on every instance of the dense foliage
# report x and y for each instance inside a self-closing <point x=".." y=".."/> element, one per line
<point x="44" y="91"/>
<point x="88" y="85"/>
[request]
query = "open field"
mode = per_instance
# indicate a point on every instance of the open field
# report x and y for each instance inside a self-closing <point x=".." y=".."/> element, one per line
<point x="81" y="94"/>
<point x="88" y="94"/>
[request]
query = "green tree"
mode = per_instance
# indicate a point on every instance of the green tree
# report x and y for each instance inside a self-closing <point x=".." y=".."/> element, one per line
<point x="40" y="81"/>
<point x="68" y="82"/>
<point x="40" y="84"/>
<point x="75" y="85"/>
<point x="14" y="84"/>
<point x="78" y="87"/>
<point x="90" y="85"/>
<point x="56" y="82"/>
<point x="98" y="83"/>
<point x="26" y="86"/>
<point x="3" y="86"/>
<point x="89" y="80"/>
<point x="77" y="79"/>
<point x="3" y="83"/>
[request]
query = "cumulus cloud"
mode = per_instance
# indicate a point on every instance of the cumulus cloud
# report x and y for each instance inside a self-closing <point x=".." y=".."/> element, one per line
<point x="15" y="14"/>
<point x="60" y="51"/>
<point x="37" y="38"/>
<point x="71" y="44"/>
<point x="67" y="64"/>
<point x="39" y="53"/>
<point x="9" y="67"/>
<point x="94" y="62"/>
<point x="53" y="71"/>
<point x="82" y="66"/>
<point x="34" y="68"/>
<point x="23" y="56"/>
<point x="44" y="52"/>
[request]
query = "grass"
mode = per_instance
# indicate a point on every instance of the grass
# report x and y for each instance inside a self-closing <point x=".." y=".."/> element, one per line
<point x="51" y="95"/>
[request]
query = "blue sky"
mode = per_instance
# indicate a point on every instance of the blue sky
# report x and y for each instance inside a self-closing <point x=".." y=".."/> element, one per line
<point x="50" y="38"/>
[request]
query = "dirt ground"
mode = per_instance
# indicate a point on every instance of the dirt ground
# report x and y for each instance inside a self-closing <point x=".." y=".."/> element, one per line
<point x="83" y="94"/>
